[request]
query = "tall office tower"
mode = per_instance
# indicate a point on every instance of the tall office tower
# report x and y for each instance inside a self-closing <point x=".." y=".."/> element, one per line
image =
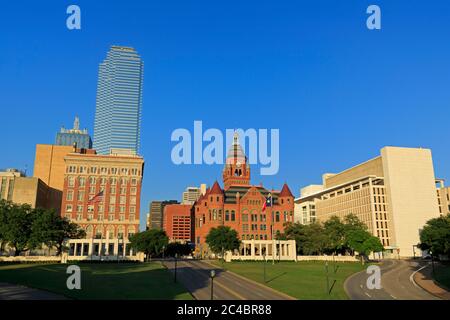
<point x="119" y="101"/>
<point x="67" y="137"/>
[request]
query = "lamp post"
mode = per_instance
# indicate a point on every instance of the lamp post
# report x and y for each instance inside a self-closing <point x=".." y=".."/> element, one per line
<point x="264" y="262"/>
<point x="432" y="262"/>
<point x="175" y="274"/>
<point x="212" y="274"/>
<point x="328" y="280"/>
<point x="164" y="249"/>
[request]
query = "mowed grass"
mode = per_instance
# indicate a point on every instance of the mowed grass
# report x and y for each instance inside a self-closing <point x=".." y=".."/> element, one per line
<point x="301" y="280"/>
<point x="442" y="275"/>
<point x="99" y="281"/>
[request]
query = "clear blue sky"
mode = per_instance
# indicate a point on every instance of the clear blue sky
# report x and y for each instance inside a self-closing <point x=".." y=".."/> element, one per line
<point x="337" y="91"/>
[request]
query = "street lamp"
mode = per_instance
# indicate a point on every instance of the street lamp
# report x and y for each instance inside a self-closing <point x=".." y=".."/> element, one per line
<point x="164" y="249"/>
<point x="175" y="278"/>
<point x="264" y="257"/>
<point x="212" y="274"/>
<point x="432" y="261"/>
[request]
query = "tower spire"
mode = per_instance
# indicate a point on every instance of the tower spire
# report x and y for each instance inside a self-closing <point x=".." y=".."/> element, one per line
<point x="76" y="123"/>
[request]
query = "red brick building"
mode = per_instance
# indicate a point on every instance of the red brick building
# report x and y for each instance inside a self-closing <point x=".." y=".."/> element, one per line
<point x="240" y="205"/>
<point x="101" y="193"/>
<point x="177" y="222"/>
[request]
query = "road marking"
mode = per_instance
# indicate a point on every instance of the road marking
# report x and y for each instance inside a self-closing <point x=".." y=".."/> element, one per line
<point x="393" y="297"/>
<point x="368" y="295"/>
<point x="411" y="277"/>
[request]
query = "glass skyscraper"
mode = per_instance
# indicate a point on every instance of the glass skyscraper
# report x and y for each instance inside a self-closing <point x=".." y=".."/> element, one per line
<point x="119" y="101"/>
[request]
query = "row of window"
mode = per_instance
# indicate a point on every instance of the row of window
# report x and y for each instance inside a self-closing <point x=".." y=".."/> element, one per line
<point x="102" y="181"/>
<point x="103" y="170"/>
<point x="101" y="209"/>
<point x="100" y="217"/>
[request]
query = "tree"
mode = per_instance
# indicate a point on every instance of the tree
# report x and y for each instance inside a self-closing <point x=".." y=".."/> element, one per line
<point x="150" y="242"/>
<point x="310" y="239"/>
<point x="222" y="239"/>
<point x="363" y="242"/>
<point x="335" y="231"/>
<point x="51" y="229"/>
<point x="435" y="235"/>
<point x="17" y="227"/>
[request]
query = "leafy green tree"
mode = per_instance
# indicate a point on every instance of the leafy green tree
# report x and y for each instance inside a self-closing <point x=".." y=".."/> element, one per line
<point x="435" y="235"/>
<point x="310" y="239"/>
<point x="50" y="229"/>
<point x="363" y="242"/>
<point x="222" y="239"/>
<point x="17" y="227"/>
<point x="150" y="242"/>
<point x="335" y="231"/>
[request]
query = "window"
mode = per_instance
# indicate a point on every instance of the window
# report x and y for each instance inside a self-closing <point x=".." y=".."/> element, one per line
<point x="123" y="199"/>
<point x="133" y="190"/>
<point x="233" y="215"/>
<point x="123" y="190"/>
<point x="100" y="217"/>
<point x="82" y="181"/>
<point x="101" y="208"/>
<point x="80" y="196"/>
<point x="124" y="171"/>
<point x="133" y="181"/>
<point x="113" y="181"/>
<point x="92" y="190"/>
<point x="111" y="209"/>
<point x="71" y="181"/>
<point x="111" y="217"/>
<point x="132" y="209"/>
<point x="83" y="169"/>
<point x="93" y="170"/>
<point x="90" y="217"/>
<point x="122" y="209"/>
<point x="112" y="199"/>
<point x="132" y="200"/>
<point x="92" y="180"/>
<point x="134" y="171"/>
<point x="69" y="196"/>
<point x="79" y="217"/>
<point x="244" y="217"/>
<point x="90" y="208"/>
<point x="132" y="216"/>
<point x="79" y="208"/>
<point x="69" y="208"/>
<point x="112" y="190"/>
<point x="122" y="217"/>
<point x="245" y="228"/>
<point x="277" y="216"/>
<point x="114" y="171"/>
<point x="103" y="170"/>
<point x="71" y="169"/>
<point x="227" y="215"/>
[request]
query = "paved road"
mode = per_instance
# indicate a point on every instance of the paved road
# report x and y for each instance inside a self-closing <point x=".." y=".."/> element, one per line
<point x="194" y="275"/>
<point x="17" y="292"/>
<point x="395" y="281"/>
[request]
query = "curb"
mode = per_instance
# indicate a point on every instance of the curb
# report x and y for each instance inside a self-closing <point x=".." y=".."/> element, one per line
<point x="288" y="297"/>
<point x="434" y="282"/>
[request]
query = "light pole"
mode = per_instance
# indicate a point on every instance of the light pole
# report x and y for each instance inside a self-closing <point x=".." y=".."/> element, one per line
<point x="164" y="249"/>
<point x="328" y="280"/>
<point x="264" y="257"/>
<point x="432" y="262"/>
<point x="175" y="275"/>
<point x="212" y="274"/>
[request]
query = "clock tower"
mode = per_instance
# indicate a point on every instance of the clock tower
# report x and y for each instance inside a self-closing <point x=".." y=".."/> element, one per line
<point x="237" y="169"/>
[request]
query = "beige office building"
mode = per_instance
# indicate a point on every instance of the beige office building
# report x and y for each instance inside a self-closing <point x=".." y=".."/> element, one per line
<point x="19" y="189"/>
<point x="394" y="194"/>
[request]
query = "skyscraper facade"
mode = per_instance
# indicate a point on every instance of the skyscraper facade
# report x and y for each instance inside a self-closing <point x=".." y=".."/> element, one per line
<point x="119" y="101"/>
<point x="67" y="137"/>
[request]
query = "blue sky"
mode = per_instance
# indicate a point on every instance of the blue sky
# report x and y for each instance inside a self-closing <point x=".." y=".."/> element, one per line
<point x="337" y="91"/>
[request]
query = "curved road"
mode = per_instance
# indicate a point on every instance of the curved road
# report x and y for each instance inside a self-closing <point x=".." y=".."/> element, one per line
<point x="396" y="283"/>
<point x="195" y="276"/>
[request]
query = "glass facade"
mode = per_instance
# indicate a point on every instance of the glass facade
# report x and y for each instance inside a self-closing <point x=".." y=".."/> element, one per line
<point x="119" y="101"/>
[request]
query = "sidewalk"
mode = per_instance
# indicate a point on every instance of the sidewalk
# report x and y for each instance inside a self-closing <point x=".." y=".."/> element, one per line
<point x="424" y="279"/>
<point x="17" y="292"/>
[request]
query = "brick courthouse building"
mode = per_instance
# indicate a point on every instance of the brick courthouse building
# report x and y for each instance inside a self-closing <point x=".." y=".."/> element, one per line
<point x="239" y="204"/>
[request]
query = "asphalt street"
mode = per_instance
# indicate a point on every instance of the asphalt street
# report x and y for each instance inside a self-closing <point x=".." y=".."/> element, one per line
<point x="396" y="283"/>
<point x="195" y="276"/>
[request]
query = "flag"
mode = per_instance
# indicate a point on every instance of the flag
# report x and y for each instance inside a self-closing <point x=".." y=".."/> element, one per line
<point x="267" y="203"/>
<point x="97" y="198"/>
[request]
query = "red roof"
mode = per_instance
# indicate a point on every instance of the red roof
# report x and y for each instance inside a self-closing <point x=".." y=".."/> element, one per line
<point x="285" y="192"/>
<point x="216" y="189"/>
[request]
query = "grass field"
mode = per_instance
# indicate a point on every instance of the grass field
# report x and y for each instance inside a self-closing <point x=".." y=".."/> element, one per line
<point x="99" y="281"/>
<point x="301" y="280"/>
<point x="442" y="275"/>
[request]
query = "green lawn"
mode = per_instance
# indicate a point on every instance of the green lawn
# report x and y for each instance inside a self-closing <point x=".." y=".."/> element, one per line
<point x="301" y="280"/>
<point x="99" y="281"/>
<point x="442" y="275"/>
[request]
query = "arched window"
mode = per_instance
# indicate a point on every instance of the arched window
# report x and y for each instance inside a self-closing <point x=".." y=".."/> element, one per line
<point x="233" y="215"/>
<point x="131" y="231"/>
<point x="110" y="232"/>
<point x="227" y="215"/>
